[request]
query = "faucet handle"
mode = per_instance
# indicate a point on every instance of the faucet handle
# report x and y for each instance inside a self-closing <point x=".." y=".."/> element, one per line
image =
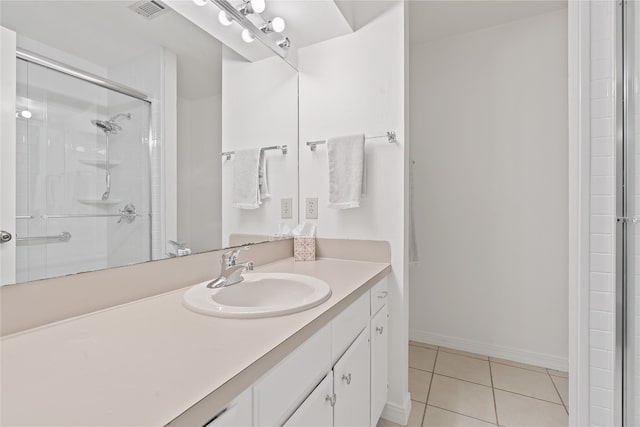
<point x="229" y="259"/>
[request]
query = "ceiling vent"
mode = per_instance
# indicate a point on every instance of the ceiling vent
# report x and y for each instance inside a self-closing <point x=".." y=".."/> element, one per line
<point x="150" y="9"/>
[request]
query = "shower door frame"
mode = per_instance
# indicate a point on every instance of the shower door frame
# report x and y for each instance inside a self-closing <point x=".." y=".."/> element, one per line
<point x="625" y="224"/>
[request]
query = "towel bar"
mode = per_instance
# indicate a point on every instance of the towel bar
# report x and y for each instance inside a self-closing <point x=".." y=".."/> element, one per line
<point x="227" y="154"/>
<point x="65" y="236"/>
<point x="391" y="138"/>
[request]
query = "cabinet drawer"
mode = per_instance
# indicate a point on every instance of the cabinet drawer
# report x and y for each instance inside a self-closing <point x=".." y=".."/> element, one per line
<point x="237" y="414"/>
<point x="347" y="326"/>
<point x="379" y="296"/>
<point x="281" y="390"/>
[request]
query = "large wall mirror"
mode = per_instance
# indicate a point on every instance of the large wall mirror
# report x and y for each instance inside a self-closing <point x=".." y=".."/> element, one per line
<point x="143" y="130"/>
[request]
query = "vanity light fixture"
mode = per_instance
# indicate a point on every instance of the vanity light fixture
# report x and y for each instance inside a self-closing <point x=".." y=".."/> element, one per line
<point x="247" y="37"/>
<point x="224" y="18"/>
<point x="25" y="114"/>
<point x="276" y="25"/>
<point x="252" y="6"/>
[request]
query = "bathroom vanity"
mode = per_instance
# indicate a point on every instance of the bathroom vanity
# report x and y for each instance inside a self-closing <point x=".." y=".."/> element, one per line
<point x="154" y="362"/>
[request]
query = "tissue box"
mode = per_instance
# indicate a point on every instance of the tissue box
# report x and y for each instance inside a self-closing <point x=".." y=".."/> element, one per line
<point x="304" y="249"/>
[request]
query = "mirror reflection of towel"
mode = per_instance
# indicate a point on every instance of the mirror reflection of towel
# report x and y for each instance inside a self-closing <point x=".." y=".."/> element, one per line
<point x="246" y="191"/>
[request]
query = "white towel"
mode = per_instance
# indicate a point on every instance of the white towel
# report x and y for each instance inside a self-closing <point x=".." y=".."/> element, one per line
<point x="246" y="181"/>
<point x="346" y="170"/>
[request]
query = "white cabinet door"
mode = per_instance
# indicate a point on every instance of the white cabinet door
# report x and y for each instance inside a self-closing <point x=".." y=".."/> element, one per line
<point x="351" y="385"/>
<point x="317" y="409"/>
<point x="379" y="363"/>
<point x="237" y="414"/>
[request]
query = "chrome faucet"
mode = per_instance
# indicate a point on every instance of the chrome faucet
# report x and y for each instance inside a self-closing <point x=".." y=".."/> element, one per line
<point x="231" y="271"/>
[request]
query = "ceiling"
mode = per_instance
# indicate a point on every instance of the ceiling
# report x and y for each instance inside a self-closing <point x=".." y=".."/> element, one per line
<point x="108" y="33"/>
<point x="431" y="20"/>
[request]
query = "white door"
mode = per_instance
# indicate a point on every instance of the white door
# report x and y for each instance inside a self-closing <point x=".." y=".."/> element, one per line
<point x="317" y="409"/>
<point x="379" y="363"/>
<point x="351" y="385"/>
<point x="7" y="156"/>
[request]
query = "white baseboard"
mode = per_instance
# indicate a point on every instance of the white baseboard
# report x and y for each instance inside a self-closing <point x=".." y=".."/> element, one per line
<point x="398" y="414"/>
<point x="502" y="352"/>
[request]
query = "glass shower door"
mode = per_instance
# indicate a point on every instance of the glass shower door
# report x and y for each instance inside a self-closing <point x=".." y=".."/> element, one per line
<point x="82" y="159"/>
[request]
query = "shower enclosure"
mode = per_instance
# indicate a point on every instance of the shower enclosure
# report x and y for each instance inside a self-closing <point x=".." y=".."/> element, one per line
<point x="628" y="213"/>
<point x="82" y="174"/>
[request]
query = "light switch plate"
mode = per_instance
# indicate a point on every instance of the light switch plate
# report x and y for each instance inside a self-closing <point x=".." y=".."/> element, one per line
<point x="311" y="208"/>
<point x="286" y="208"/>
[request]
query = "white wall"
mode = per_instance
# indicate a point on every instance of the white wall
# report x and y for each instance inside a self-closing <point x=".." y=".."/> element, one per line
<point x="489" y="132"/>
<point x="355" y="84"/>
<point x="200" y="172"/>
<point x="602" y="240"/>
<point x="259" y="109"/>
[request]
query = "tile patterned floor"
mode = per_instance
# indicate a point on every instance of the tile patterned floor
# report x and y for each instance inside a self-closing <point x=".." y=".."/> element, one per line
<point x="455" y="388"/>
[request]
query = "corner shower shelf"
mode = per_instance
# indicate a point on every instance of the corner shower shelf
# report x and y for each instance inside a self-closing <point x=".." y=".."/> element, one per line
<point x="100" y="163"/>
<point x="101" y="203"/>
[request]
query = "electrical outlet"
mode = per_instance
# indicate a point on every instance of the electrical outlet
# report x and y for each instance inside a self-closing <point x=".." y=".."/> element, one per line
<point x="311" y="209"/>
<point x="285" y="208"/>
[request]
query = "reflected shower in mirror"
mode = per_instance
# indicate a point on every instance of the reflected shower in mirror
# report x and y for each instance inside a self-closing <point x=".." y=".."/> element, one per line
<point x="119" y="140"/>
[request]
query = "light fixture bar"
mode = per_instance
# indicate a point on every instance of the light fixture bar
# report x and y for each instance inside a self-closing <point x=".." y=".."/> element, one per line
<point x="250" y="26"/>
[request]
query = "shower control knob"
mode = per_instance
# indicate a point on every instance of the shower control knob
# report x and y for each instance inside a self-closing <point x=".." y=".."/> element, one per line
<point x="5" y="236"/>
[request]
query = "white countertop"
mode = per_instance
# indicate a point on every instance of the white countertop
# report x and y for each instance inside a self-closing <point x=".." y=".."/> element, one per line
<point x="147" y="362"/>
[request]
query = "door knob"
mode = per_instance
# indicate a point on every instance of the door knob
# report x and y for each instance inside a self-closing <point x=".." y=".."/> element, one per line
<point x="5" y="236"/>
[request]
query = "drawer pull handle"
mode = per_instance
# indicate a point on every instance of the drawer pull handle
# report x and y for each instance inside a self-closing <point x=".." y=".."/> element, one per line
<point x="379" y="329"/>
<point x="346" y="378"/>
<point x="331" y="398"/>
<point x="383" y="294"/>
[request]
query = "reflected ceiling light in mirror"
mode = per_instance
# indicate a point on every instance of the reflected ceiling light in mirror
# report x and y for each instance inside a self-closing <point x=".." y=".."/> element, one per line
<point x="247" y="37"/>
<point x="201" y="2"/>
<point x="25" y="114"/>
<point x="252" y="6"/>
<point x="276" y="25"/>
<point x="224" y="18"/>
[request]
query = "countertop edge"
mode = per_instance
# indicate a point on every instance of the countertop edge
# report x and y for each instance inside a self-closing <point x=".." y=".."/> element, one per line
<point x="204" y="410"/>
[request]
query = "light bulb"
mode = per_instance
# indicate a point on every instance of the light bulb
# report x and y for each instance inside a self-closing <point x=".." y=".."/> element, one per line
<point x="247" y="36"/>
<point x="277" y="24"/>
<point x="258" y="6"/>
<point x="224" y="18"/>
<point x="200" y="2"/>
<point x="26" y="114"/>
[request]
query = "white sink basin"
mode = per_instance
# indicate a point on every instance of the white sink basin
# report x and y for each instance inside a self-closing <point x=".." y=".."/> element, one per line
<point x="259" y="295"/>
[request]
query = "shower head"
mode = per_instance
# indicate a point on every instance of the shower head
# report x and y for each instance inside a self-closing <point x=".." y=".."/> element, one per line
<point x="110" y="126"/>
<point x="106" y="126"/>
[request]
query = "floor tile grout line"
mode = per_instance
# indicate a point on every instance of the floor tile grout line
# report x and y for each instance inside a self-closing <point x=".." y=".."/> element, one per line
<point x="557" y="391"/>
<point x="460" y="379"/>
<point x="530" y="397"/>
<point x="460" y="413"/>
<point x="493" y="392"/>
<point x="544" y="371"/>
<point x="424" y="413"/>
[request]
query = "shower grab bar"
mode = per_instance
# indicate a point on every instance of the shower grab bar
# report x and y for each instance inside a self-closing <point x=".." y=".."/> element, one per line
<point x="91" y="215"/>
<point x="65" y="236"/>
<point x="227" y="154"/>
<point x="391" y="139"/>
